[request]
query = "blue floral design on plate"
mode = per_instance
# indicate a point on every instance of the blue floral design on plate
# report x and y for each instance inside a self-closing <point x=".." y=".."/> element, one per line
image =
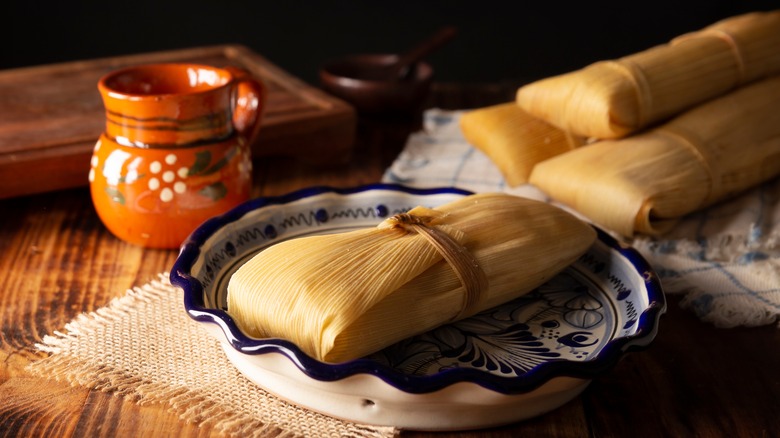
<point x="561" y="320"/>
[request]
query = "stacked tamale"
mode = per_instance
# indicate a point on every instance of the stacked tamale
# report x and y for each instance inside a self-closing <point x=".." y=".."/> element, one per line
<point x="612" y="99"/>
<point x="645" y="182"/>
<point x="515" y="140"/>
<point x="669" y="130"/>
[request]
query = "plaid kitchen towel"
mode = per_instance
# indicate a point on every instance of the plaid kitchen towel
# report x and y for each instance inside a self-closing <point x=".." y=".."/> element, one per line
<point x="724" y="259"/>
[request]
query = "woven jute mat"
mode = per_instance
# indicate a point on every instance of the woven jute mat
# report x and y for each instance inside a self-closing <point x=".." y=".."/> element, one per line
<point x="144" y="347"/>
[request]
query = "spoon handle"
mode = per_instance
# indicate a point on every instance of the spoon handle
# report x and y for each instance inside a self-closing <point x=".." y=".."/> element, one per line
<point x="402" y="68"/>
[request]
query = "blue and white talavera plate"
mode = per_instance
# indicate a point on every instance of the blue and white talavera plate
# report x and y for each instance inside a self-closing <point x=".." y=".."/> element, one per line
<point x="506" y="364"/>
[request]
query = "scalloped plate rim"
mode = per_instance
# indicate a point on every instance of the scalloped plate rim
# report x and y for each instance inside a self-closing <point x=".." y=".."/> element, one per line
<point x="606" y="358"/>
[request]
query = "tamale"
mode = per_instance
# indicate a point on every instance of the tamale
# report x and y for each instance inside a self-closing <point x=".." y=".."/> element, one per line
<point x="514" y="140"/>
<point x="644" y="183"/>
<point x="343" y="296"/>
<point x="611" y="99"/>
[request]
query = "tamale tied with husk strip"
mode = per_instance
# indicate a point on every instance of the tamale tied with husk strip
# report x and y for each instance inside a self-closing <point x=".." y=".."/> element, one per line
<point x="514" y="140"/>
<point x="343" y="296"/>
<point x="612" y="99"/>
<point x="645" y="182"/>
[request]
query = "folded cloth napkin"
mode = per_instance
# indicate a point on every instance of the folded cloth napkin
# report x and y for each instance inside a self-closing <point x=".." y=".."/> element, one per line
<point x="725" y="259"/>
<point x="143" y="346"/>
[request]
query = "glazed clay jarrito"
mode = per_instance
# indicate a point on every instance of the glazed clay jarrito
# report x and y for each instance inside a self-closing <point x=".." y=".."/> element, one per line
<point x="176" y="149"/>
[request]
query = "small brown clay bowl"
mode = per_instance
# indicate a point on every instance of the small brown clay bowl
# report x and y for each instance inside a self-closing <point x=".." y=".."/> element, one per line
<point x="356" y="79"/>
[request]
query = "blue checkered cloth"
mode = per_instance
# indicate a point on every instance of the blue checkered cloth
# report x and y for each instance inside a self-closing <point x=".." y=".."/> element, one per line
<point x="724" y="259"/>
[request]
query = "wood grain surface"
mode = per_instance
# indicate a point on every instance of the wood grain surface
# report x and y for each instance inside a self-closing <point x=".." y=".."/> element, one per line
<point x="52" y="115"/>
<point x="58" y="261"/>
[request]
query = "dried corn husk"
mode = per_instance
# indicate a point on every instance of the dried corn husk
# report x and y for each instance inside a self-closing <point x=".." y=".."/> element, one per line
<point x="646" y="182"/>
<point x="514" y="140"/>
<point x="343" y="296"/>
<point x="612" y="99"/>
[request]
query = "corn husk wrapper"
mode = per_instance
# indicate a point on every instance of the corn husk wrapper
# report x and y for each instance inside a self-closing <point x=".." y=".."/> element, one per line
<point x="514" y="140"/>
<point x="611" y="99"/>
<point x="644" y="183"/>
<point x="343" y="296"/>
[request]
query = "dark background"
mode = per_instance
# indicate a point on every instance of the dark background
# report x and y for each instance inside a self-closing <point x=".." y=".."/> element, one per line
<point x="497" y="40"/>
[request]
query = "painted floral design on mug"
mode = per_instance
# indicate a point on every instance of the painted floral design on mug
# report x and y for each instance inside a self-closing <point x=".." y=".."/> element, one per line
<point x="167" y="179"/>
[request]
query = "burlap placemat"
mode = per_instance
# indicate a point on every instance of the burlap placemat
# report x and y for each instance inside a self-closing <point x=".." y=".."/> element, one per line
<point x="144" y="347"/>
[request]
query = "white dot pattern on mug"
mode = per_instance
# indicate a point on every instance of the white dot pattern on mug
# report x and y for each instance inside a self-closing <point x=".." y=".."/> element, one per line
<point x="165" y="179"/>
<point x="169" y="178"/>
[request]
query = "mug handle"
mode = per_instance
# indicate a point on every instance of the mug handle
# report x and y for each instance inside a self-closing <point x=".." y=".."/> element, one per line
<point x="249" y="103"/>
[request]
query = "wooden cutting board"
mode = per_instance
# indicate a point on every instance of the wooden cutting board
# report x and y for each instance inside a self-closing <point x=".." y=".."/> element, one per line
<point x="51" y="116"/>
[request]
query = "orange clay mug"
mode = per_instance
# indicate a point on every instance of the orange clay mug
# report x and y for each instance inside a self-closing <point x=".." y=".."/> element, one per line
<point x="175" y="151"/>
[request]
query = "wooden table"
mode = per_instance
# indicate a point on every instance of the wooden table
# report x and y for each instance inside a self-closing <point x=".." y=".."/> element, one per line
<point x="58" y="261"/>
